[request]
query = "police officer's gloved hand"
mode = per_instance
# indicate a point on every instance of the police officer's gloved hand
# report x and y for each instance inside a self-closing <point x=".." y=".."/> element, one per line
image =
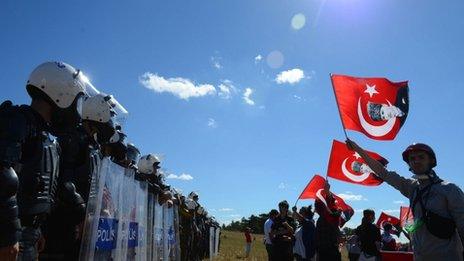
<point x="71" y="199"/>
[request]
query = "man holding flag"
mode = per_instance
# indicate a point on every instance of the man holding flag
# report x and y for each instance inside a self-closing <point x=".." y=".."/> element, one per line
<point x="437" y="206"/>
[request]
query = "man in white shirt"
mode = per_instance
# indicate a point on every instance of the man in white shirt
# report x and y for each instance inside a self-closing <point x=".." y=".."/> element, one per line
<point x="267" y="228"/>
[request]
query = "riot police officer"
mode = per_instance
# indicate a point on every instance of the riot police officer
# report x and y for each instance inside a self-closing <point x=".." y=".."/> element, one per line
<point x="29" y="156"/>
<point x="79" y="164"/>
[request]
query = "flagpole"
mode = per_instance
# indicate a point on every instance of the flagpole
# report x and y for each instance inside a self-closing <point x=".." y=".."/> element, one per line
<point x="338" y="107"/>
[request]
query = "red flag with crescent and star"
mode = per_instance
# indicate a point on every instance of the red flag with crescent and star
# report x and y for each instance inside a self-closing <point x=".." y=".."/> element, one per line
<point x="376" y="107"/>
<point x="406" y="216"/>
<point x="385" y="218"/>
<point x="315" y="190"/>
<point x="314" y="186"/>
<point x="347" y="165"/>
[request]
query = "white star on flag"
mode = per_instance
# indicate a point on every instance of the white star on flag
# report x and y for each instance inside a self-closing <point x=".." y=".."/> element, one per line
<point x="371" y="90"/>
<point x="356" y="155"/>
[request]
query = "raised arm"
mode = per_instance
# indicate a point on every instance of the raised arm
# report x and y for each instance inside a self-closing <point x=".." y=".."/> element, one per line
<point x="403" y="185"/>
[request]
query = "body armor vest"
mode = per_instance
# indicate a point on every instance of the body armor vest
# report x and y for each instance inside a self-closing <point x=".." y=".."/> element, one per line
<point x="80" y="162"/>
<point x="37" y="168"/>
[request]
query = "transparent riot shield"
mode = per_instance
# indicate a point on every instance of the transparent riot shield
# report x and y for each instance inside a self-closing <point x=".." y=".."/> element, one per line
<point x="168" y="223"/>
<point x="127" y="222"/>
<point x="103" y="225"/>
<point x="141" y="219"/>
<point x="150" y="230"/>
<point x="158" y="243"/>
<point x="211" y="242"/>
<point x="216" y="241"/>
<point x="170" y="238"/>
<point x="176" y="232"/>
<point x="90" y="217"/>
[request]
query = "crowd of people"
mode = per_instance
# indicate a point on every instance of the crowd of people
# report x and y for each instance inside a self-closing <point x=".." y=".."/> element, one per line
<point x="437" y="231"/>
<point x="51" y="152"/>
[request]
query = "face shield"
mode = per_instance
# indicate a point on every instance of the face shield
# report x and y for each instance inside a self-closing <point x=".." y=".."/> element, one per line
<point x="118" y="112"/>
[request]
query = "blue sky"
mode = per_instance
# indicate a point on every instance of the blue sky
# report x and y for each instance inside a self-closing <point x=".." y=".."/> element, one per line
<point x="239" y="99"/>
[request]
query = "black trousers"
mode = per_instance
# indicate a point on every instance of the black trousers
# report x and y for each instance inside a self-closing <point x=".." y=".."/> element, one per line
<point x="269" y="252"/>
<point x="282" y="251"/>
<point x="333" y="255"/>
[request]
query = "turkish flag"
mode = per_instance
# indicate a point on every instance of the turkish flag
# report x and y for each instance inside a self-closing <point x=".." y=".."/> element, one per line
<point x="317" y="183"/>
<point x="385" y="218"/>
<point x="334" y="203"/>
<point x="376" y="107"/>
<point x="406" y="215"/>
<point x="346" y="210"/>
<point x="347" y="165"/>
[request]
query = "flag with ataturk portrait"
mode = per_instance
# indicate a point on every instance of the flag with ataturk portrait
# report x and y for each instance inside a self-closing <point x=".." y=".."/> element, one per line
<point x="347" y="165"/>
<point x="375" y="107"/>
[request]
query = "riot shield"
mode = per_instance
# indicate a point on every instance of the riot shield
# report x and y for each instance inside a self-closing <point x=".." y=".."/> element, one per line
<point x="158" y="226"/>
<point x="102" y="221"/>
<point x="127" y="223"/>
<point x="216" y="241"/>
<point x="141" y="220"/>
<point x="150" y="230"/>
<point x="177" y="234"/>
<point x="170" y="239"/>
<point x="211" y="242"/>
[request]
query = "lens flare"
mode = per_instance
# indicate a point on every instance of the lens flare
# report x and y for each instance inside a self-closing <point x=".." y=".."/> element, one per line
<point x="298" y="21"/>
<point x="275" y="59"/>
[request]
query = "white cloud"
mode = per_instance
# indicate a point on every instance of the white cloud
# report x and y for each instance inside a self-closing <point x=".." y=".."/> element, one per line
<point x="226" y="89"/>
<point x="182" y="176"/>
<point x="351" y="197"/>
<point x="180" y="87"/>
<point x="226" y="209"/>
<point x="398" y="202"/>
<point x="290" y="76"/>
<point x="246" y="96"/>
<point x="258" y="58"/>
<point x="212" y="123"/>
<point x="235" y="215"/>
<point x="391" y="210"/>
<point x="282" y="186"/>
<point x="216" y="62"/>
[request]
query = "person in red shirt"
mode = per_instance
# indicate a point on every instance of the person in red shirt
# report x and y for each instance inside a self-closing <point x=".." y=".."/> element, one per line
<point x="248" y="241"/>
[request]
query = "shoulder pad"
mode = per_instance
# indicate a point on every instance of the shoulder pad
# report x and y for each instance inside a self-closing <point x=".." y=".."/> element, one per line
<point x="16" y="122"/>
<point x="15" y="128"/>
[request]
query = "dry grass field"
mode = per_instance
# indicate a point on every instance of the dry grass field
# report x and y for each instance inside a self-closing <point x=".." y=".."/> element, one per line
<point x="233" y="248"/>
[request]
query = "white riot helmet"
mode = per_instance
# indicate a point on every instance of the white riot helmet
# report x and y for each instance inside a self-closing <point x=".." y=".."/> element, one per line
<point x="61" y="82"/>
<point x="98" y="108"/>
<point x="147" y="162"/>
<point x="192" y="195"/>
<point x="191" y="205"/>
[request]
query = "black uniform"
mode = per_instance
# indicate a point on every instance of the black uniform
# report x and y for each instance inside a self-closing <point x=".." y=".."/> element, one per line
<point x="29" y="160"/>
<point x="79" y="162"/>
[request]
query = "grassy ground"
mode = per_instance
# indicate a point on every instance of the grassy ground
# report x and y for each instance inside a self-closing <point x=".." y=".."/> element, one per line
<point x="233" y="247"/>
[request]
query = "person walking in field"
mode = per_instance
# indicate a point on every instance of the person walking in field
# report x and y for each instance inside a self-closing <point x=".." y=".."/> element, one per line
<point x="247" y="242"/>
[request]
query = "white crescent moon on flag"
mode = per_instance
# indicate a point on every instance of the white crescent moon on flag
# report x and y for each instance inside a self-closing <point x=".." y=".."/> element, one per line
<point x="351" y="176"/>
<point x="319" y="196"/>
<point x="376" y="131"/>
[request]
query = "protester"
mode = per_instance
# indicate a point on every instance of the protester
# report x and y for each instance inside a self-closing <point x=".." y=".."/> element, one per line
<point x="438" y="206"/>
<point x="328" y="234"/>
<point x="247" y="241"/>
<point x="353" y="248"/>
<point x="304" y="247"/>
<point x="282" y="234"/>
<point x="369" y="237"/>
<point x="388" y="242"/>
<point x="267" y="229"/>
